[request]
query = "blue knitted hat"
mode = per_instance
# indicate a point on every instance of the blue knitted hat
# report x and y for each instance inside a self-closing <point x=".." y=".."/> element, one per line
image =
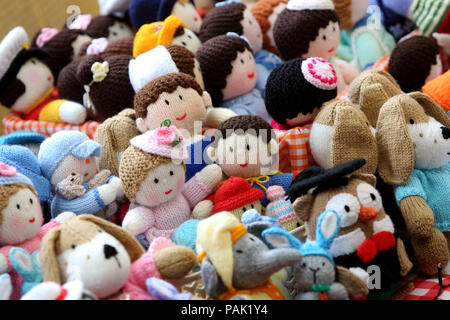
<point x="54" y="149"/>
<point x="27" y="164"/>
<point x="148" y="11"/>
<point x="9" y="176"/>
<point x="21" y="137"/>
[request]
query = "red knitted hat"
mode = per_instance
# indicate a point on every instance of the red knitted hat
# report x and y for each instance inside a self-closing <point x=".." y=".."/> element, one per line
<point x="234" y="193"/>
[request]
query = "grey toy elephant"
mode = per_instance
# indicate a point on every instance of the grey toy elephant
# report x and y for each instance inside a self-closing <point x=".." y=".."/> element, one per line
<point x="238" y="265"/>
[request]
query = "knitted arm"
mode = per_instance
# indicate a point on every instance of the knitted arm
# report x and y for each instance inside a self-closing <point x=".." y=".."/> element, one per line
<point x="138" y="220"/>
<point x="63" y="111"/>
<point x="202" y="184"/>
<point x="46" y="227"/>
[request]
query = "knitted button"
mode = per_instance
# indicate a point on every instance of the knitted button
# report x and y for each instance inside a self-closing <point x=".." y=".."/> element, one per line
<point x="320" y="73"/>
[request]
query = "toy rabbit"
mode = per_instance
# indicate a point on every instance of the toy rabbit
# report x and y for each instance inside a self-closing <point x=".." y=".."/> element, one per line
<point x="27" y="266"/>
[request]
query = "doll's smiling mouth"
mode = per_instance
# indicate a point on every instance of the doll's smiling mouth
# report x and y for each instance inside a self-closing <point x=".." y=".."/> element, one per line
<point x="250" y="76"/>
<point x="331" y="50"/>
<point x="244" y="165"/>
<point x="168" y="192"/>
<point x="31" y="220"/>
<point x="182" y="118"/>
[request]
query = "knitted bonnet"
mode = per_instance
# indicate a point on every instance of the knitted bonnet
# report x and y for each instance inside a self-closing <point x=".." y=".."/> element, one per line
<point x="281" y="208"/>
<point x="157" y="33"/>
<point x="299" y="86"/>
<point x="299" y="24"/>
<point x="215" y="238"/>
<point x="9" y="175"/>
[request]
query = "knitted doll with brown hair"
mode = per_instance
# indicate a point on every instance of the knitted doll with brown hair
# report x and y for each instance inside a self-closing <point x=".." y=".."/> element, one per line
<point x="108" y="27"/>
<point x="233" y="16"/>
<point x="266" y="13"/>
<point x="414" y="62"/>
<point x="153" y="177"/>
<point x="230" y="74"/>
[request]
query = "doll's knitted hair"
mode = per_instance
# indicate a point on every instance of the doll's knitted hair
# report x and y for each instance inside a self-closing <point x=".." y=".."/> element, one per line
<point x="114" y="93"/>
<point x="244" y="124"/>
<point x="168" y="83"/>
<point x="99" y="26"/>
<point x="344" y="10"/>
<point x="294" y="30"/>
<point x="184" y="58"/>
<point x="411" y="62"/>
<point x="223" y="19"/>
<point x="122" y="46"/>
<point x="68" y="85"/>
<point x="7" y="191"/>
<point x="289" y="93"/>
<point x="215" y="57"/>
<point x="261" y="10"/>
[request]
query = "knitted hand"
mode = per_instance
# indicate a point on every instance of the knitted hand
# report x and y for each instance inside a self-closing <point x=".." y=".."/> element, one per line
<point x="110" y="191"/>
<point x="419" y="217"/>
<point x="133" y="223"/>
<point x="211" y="176"/>
<point x="215" y="116"/>
<point x="99" y="179"/>
<point x="64" y="216"/>
<point x="27" y="266"/>
<point x="203" y="209"/>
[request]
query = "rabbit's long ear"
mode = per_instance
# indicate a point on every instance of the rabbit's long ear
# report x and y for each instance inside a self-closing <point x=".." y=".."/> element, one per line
<point x="395" y="146"/>
<point x="21" y="260"/>
<point x="47" y="256"/>
<point x="280" y="238"/>
<point x="327" y="228"/>
<point x="431" y="108"/>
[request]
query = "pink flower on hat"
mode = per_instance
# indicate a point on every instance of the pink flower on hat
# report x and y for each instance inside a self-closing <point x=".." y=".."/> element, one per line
<point x="7" y="171"/>
<point x="97" y="46"/>
<point x="167" y="135"/>
<point x="320" y="73"/>
<point x="81" y="22"/>
<point x="45" y="36"/>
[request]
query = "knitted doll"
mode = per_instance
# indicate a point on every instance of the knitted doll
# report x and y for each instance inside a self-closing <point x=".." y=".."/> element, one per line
<point x="26" y="83"/>
<point x="420" y="54"/>
<point x="62" y="46"/>
<point x="266" y="13"/>
<point x="153" y="176"/>
<point x="229" y="16"/>
<point x="170" y="31"/>
<point x="21" y="224"/>
<point x="364" y="39"/>
<point x="30" y="140"/>
<point x="108" y="27"/>
<point x="297" y="89"/>
<point x="230" y="74"/>
<point x="108" y="260"/>
<point x="148" y="11"/>
<point x="106" y="83"/>
<point x="394" y="16"/>
<point x="204" y="6"/>
<point x="68" y="152"/>
<point x="280" y="208"/>
<point x="438" y="90"/>
<point x="238" y="265"/>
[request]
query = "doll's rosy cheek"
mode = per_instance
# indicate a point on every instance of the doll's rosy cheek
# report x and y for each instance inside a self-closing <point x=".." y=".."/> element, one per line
<point x="34" y="75"/>
<point x="16" y="223"/>
<point x="153" y="197"/>
<point x="180" y="182"/>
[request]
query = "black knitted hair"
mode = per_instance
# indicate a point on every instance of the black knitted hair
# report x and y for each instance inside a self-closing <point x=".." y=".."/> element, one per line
<point x="288" y="93"/>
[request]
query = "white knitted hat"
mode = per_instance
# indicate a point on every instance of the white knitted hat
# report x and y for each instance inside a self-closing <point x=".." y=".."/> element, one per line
<point x="298" y="5"/>
<point x="14" y="42"/>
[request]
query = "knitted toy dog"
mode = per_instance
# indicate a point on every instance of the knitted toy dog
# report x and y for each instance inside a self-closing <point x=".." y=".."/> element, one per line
<point x="297" y="89"/>
<point x="108" y="260"/>
<point x="230" y="74"/>
<point x="172" y="30"/>
<point x="22" y="220"/>
<point x="153" y="176"/>
<point x="147" y="11"/>
<point x="367" y="235"/>
<point x="26" y="83"/>
<point x="238" y="265"/>
<point x="68" y="152"/>
<point x="235" y="17"/>
<point x="413" y="137"/>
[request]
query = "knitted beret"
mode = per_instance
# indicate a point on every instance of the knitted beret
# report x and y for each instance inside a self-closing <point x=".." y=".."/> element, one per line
<point x="299" y="86"/>
<point x="9" y="176"/>
<point x="411" y="62"/>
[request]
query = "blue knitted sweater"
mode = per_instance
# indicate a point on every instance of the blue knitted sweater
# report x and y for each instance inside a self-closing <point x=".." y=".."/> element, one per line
<point x="265" y="62"/>
<point x="250" y="103"/>
<point x="90" y="203"/>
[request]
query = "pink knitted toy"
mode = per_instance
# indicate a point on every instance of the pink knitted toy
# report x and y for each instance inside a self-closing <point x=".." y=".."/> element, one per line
<point x="281" y="208"/>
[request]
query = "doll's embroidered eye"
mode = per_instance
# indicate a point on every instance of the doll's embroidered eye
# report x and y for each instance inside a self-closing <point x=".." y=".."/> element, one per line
<point x="347" y="208"/>
<point x="114" y="33"/>
<point x="31" y="201"/>
<point x="248" y="147"/>
<point x="334" y="28"/>
<point x="323" y="264"/>
<point x="73" y="246"/>
<point x="303" y="265"/>
<point x="252" y="206"/>
<point x="189" y="37"/>
<point x="231" y="149"/>
<point x="181" y="98"/>
<point x="33" y="61"/>
<point x="171" y="173"/>
<point x="244" y="209"/>
<point x="239" y="251"/>
<point x="121" y="26"/>
<point x="250" y="57"/>
<point x="251" y="239"/>
<point x="242" y="61"/>
<point x="18" y="206"/>
<point x="411" y="121"/>
<point x="167" y="102"/>
<point x="298" y="224"/>
<point x="372" y="196"/>
<point x="156" y="180"/>
<point x="250" y="22"/>
<point x="324" y="37"/>
<point x="184" y="43"/>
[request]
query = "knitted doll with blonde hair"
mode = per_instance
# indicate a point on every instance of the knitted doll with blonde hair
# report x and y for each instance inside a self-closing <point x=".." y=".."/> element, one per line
<point x="153" y="178"/>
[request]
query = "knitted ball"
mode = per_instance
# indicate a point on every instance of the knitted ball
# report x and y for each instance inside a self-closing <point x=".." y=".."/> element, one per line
<point x="299" y="86"/>
<point x="294" y="30"/>
<point x="411" y="61"/>
<point x="215" y="57"/>
<point x="186" y="234"/>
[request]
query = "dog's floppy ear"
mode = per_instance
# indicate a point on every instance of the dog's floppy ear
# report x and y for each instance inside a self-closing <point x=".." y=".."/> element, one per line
<point x="352" y="138"/>
<point x="130" y="243"/>
<point x="47" y="256"/>
<point x="395" y="146"/>
<point x="302" y="206"/>
<point x="431" y="108"/>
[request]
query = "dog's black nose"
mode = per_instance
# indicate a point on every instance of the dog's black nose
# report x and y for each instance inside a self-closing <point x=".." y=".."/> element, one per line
<point x="109" y="251"/>
<point x="445" y="132"/>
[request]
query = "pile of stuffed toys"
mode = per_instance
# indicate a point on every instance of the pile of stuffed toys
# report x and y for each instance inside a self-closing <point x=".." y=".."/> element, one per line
<point x="266" y="149"/>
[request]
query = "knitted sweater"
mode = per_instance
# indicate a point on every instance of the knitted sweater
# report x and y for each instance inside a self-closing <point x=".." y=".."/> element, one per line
<point x="197" y="157"/>
<point x="265" y="62"/>
<point x="249" y="103"/>
<point x="31" y="245"/>
<point x="164" y="219"/>
<point x="90" y="203"/>
<point x="434" y="187"/>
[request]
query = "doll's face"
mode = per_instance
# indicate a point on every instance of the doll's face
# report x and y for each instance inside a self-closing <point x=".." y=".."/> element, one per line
<point x="272" y="18"/>
<point x="252" y="31"/>
<point x="204" y="5"/>
<point x="162" y="184"/>
<point x="21" y="219"/>
<point x="302" y="119"/>
<point x="87" y="168"/>
<point x="238" y="212"/>
<point x="243" y="155"/>
<point x="188" y="40"/>
<point x="78" y="43"/>
<point x="326" y="43"/>
<point x="38" y="80"/>
<point x="187" y="12"/>
<point x="182" y="107"/>
<point x="243" y="76"/>
<point x="119" y="30"/>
